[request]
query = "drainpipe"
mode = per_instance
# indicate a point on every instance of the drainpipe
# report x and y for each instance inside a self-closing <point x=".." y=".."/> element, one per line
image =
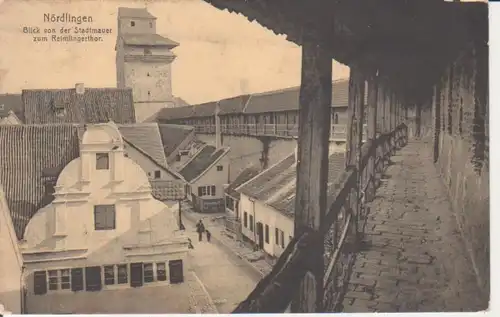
<point x="23" y="289"/>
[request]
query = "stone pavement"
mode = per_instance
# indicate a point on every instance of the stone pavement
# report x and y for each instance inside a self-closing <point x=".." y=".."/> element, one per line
<point x="412" y="257"/>
<point x="254" y="259"/>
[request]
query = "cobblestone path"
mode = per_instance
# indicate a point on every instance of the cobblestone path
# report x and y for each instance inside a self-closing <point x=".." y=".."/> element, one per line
<point x="412" y="257"/>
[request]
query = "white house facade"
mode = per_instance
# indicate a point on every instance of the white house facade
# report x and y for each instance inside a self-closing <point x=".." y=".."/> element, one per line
<point x="102" y="235"/>
<point x="11" y="262"/>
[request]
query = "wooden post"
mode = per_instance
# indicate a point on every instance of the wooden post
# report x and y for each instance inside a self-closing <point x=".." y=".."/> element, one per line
<point x="372" y="130"/>
<point x="312" y="168"/>
<point x="354" y="116"/>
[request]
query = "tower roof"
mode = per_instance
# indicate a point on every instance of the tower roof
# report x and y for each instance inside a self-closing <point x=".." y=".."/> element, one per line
<point x="138" y="13"/>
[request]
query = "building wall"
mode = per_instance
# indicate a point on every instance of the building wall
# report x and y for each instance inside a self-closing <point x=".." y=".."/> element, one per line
<point x="214" y="177"/>
<point x="62" y="235"/>
<point x="147" y="165"/>
<point x="456" y="121"/>
<point x="247" y="151"/>
<point x="142" y="25"/>
<point x="267" y="216"/>
<point x="10" y="262"/>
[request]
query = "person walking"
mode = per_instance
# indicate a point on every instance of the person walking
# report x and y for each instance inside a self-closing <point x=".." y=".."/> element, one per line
<point x="200" y="228"/>
<point x="209" y="235"/>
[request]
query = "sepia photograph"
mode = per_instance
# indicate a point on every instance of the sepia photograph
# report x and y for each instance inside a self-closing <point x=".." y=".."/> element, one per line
<point x="244" y="156"/>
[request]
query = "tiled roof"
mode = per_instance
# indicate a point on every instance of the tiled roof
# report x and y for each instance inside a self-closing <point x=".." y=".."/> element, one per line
<point x="172" y="136"/>
<point x="247" y="174"/>
<point x="11" y="102"/>
<point x="179" y="102"/>
<point x="167" y="114"/>
<point x="201" y="162"/>
<point x="28" y="150"/>
<point x="276" y="186"/>
<point x="134" y="13"/>
<point x="271" y="101"/>
<point x="148" y="40"/>
<point x="95" y="105"/>
<point x="145" y="137"/>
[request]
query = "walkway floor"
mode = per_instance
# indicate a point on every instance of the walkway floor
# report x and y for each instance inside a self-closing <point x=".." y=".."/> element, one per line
<point x="412" y="256"/>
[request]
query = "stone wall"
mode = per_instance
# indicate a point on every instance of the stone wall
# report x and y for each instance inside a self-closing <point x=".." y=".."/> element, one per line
<point x="457" y="122"/>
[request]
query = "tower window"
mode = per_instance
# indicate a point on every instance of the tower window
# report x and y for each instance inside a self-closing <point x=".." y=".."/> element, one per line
<point x="149" y="75"/>
<point x="132" y="23"/>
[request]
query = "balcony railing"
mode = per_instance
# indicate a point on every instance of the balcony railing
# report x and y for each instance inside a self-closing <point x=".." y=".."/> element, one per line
<point x="340" y="232"/>
<point x="338" y="132"/>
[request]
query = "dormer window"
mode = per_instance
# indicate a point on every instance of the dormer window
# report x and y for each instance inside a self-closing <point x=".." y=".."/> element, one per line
<point x="132" y="23"/>
<point x="102" y="161"/>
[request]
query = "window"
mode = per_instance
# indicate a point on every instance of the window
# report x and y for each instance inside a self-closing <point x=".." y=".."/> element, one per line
<point x="149" y="93"/>
<point x="177" y="158"/>
<point x="122" y="274"/>
<point x="251" y="223"/>
<point x="277" y="236"/>
<point x="161" y="273"/>
<point x="157" y="174"/>
<point x="282" y="239"/>
<point x="104" y="217"/>
<point x="206" y="191"/>
<point x="132" y="23"/>
<point x="65" y="279"/>
<point x="147" y="51"/>
<point x="148" y="75"/>
<point x="40" y="282"/>
<point x="77" y="279"/>
<point x="109" y="274"/>
<point x="176" y="271"/>
<point x="53" y="280"/>
<point x="150" y="25"/>
<point x="2" y="107"/>
<point x="266" y="234"/>
<point x="219" y="168"/>
<point x="148" y="273"/>
<point x="102" y="161"/>
<point x="290" y="239"/>
<point x="245" y="219"/>
<point x="93" y="277"/>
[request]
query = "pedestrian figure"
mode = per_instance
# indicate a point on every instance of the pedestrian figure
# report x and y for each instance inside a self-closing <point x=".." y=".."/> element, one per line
<point x="200" y="228"/>
<point x="209" y="235"/>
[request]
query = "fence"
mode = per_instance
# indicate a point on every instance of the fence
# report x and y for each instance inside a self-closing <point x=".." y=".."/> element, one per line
<point x="339" y="232"/>
<point x="338" y="132"/>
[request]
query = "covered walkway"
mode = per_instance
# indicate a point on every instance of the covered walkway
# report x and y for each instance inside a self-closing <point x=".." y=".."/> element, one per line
<point x="411" y="257"/>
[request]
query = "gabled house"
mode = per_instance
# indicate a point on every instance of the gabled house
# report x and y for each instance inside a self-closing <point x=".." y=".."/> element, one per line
<point x="206" y="174"/>
<point x="78" y="105"/>
<point x="11" y="109"/>
<point x="11" y="262"/>
<point x="89" y="225"/>
<point x="178" y="140"/>
<point x="267" y="203"/>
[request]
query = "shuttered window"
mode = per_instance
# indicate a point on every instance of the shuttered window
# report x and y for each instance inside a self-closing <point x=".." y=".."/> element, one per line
<point x="53" y="280"/>
<point x="266" y="234"/>
<point x="109" y="275"/>
<point x="40" y="282"/>
<point x="65" y="279"/>
<point x="93" y="278"/>
<point x="148" y="273"/>
<point x="77" y="279"/>
<point x="104" y="217"/>
<point x="176" y="271"/>
<point x="136" y="275"/>
<point x="122" y="274"/>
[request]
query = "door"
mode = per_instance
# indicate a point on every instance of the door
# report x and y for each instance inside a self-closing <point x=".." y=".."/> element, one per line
<point x="260" y="234"/>
<point x="93" y="282"/>
<point x="136" y="278"/>
<point x="176" y="271"/>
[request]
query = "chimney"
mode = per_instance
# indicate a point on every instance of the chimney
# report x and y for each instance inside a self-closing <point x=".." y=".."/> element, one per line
<point x="80" y="88"/>
<point x="218" y="138"/>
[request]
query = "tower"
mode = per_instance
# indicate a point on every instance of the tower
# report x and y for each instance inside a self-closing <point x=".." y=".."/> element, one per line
<point x="144" y="61"/>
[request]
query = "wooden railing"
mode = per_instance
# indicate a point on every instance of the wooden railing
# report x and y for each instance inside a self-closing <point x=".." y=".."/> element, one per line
<point x="338" y="132"/>
<point x="339" y="232"/>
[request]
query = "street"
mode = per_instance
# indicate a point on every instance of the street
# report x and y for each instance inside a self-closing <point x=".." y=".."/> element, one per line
<point x="227" y="279"/>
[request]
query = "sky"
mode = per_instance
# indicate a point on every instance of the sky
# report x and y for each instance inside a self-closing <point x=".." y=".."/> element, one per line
<point x="221" y="54"/>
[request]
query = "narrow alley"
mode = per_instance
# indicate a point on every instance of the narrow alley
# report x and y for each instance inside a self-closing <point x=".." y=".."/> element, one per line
<point x="227" y="279"/>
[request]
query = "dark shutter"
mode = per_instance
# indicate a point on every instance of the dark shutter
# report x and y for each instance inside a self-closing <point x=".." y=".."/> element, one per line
<point x="200" y="192"/>
<point x="136" y="278"/>
<point x="76" y="280"/>
<point x="93" y="278"/>
<point x="40" y="282"/>
<point x="176" y="271"/>
<point x="213" y="190"/>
